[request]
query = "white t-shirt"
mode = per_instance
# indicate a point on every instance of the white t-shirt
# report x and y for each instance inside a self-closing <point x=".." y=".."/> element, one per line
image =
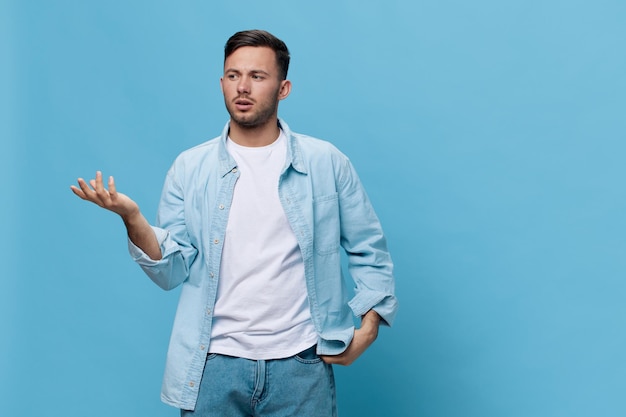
<point x="262" y="309"/>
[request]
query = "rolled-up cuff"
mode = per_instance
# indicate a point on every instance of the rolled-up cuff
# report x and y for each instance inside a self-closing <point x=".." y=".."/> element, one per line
<point x="384" y="304"/>
<point x="140" y="256"/>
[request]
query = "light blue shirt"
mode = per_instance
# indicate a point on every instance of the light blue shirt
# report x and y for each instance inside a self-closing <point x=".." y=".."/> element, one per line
<point x="326" y="207"/>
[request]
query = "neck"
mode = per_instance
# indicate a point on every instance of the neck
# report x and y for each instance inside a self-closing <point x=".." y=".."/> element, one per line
<point x="255" y="136"/>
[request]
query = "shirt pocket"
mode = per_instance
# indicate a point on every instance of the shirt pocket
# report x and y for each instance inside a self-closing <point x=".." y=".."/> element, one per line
<point x="326" y="223"/>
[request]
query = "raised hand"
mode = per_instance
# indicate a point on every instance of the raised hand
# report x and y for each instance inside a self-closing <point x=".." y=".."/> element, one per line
<point x="138" y="228"/>
<point x="109" y="199"/>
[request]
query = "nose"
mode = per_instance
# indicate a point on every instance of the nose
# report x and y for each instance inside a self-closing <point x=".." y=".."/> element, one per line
<point x="243" y="86"/>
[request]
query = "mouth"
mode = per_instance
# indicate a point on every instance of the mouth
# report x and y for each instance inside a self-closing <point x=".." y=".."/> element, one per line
<point x="243" y="104"/>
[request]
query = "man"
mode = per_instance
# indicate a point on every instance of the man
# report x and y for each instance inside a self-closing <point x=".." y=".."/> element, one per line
<point x="251" y="224"/>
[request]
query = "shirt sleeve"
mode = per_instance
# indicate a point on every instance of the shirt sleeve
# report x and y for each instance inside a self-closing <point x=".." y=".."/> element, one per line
<point x="369" y="261"/>
<point x="171" y="233"/>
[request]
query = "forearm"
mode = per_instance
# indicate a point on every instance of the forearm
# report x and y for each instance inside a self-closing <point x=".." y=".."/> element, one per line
<point x="370" y="323"/>
<point x="142" y="235"/>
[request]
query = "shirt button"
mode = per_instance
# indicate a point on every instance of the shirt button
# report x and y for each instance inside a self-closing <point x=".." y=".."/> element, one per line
<point x="202" y="347"/>
<point x="216" y="241"/>
<point x="221" y="206"/>
<point x="234" y="170"/>
<point x="211" y="274"/>
<point x="208" y="311"/>
<point x="191" y="384"/>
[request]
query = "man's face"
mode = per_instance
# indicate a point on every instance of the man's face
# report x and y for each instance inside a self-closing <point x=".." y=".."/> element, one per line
<point x="252" y="87"/>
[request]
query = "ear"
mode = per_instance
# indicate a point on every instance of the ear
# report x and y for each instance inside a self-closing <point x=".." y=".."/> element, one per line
<point x="285" y="89"/>
<point x="222" y="84"/>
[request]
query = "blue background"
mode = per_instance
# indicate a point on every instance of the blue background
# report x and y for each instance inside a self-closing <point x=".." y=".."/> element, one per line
<point x="490" y="136"/>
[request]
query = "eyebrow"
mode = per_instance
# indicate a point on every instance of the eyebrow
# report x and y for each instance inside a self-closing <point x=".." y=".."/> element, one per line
<point x="254" y="71"/>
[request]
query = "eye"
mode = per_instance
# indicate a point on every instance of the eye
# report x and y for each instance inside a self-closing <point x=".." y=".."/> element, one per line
<point x="257" y="77"/>
<point x="231" y="76"/>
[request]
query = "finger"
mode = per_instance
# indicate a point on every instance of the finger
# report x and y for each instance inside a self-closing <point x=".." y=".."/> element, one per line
<point x="78" y="192"/>
<point x="112" y="189"/>
<point x="99" y="186"/>
<point x="83" y="186"/>
<point x="90" y="194"/>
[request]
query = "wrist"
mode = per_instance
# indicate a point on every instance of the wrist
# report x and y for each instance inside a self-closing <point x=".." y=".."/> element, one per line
<point x="370" y="322"/>
<point x="133" y="218"/>
<point x="371" y="318"/>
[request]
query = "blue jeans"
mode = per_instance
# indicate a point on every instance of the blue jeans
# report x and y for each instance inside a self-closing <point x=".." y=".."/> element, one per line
<point x="299" y="386"/>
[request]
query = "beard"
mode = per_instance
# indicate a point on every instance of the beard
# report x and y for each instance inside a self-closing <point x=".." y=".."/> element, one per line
<point x="258" y="116"/>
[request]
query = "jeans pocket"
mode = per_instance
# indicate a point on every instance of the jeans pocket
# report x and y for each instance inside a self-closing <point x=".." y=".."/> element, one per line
<point x="308" y="355"/>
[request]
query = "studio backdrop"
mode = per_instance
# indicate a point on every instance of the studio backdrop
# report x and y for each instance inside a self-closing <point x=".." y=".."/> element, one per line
<point x="490" y="136"/>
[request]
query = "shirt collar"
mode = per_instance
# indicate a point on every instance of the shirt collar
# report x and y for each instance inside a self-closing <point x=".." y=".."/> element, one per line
<point x="294" y="154"/>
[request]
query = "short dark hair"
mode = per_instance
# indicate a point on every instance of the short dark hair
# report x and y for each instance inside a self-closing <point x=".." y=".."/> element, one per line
<point x="260" y="38"/>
